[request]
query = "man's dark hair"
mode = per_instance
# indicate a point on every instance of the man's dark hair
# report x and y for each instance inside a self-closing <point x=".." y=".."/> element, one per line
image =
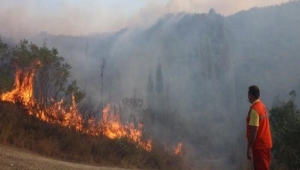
<point x="254" y="91"/>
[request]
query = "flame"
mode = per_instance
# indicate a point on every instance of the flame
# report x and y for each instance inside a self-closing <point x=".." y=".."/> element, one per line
<point x="178" y="149"/>
<point x="113" y="128"/>
<point x="22" y="91"/>
<point x="58" y="114"/>
<point x="70" y="117"/>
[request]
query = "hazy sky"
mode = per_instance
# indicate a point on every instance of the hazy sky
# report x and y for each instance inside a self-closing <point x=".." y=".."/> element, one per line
<point x="19" y="18"/>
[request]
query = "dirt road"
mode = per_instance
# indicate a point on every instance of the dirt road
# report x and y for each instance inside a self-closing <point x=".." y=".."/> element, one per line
<point x="16" y="159"/>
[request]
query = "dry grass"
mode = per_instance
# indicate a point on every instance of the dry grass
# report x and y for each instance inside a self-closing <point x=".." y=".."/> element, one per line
<point x="19" y="129"/>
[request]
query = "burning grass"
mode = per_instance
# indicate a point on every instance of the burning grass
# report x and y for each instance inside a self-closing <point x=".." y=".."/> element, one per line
<point x="43" y="116"/>
<point x="58" y="130"/>
<point x="19" y="129"/>
<point x="68" y="115"/>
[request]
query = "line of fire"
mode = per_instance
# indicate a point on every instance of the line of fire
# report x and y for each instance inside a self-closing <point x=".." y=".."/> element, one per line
<point x="69" y="116"/>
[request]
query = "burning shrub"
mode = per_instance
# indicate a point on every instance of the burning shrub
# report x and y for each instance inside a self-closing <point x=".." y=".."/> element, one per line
<point x="57" y="128"/>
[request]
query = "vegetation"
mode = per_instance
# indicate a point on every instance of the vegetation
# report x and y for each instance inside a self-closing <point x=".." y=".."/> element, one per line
<point x="24" y="131"/>
<point x="285" y="122"/>
<point x="6" y="80"/>
<point x="52" y="80"/>
<point x="196" y="94"/>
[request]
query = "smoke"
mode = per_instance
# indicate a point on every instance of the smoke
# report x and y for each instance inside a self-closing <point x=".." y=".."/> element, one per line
<point x="27" y="18"/>
<point x="206" y="63"/>
<point x="154" y="9"/>
<point x="23" y="19"/>
<point x="223" y="7"/>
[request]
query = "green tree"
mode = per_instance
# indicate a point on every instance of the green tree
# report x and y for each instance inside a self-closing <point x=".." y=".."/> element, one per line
<point x="73" y="90"/>
<point x="51" y="72"/>
<point x="6" y="80"/>
<point x="3" y="51"/>
<point x="285" y="123"/>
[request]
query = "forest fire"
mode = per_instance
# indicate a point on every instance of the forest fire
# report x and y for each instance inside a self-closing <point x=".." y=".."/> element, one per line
<point x="22" y="91"/>
<point x="113" y="128"/>
<point x="56" y="113"/>
<point x="178" y="149"/>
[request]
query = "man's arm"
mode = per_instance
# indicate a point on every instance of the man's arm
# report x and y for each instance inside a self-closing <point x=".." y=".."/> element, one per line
<point x="253" y="123"/>
<point x="251" y="139"/>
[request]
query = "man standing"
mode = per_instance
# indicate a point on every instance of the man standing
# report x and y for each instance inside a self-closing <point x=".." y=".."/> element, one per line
<point x="258" y="131"/>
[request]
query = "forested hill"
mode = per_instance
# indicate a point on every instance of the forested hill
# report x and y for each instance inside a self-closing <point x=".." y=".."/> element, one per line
<point x="267" y="48"/>
<point x="181" y="69"/>
<point x="205" y="58"/>
<point x="193" y="49"/>
<point x="248" y="46"/>
<point x="192" y="71"/>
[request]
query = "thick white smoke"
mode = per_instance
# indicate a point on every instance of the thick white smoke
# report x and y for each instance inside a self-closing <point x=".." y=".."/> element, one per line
<point x="22" y="19"/>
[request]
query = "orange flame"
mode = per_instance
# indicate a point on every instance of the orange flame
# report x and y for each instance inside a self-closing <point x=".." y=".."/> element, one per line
<point x="22" y="91"/>
<point x="113" y="128"/>
<point x="178" y="149"/>
<point x="70" y="117"/>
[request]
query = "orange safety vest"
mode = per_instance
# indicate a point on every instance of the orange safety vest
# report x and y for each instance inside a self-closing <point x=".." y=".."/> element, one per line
<point x="263" y="138"/>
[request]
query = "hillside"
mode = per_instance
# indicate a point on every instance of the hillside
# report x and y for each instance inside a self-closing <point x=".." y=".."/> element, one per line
<point x="202" y="50"/>
<point x="266" y="49"/>
<point x="207" y="62"/>
<point x="184" y="77"/>
<point x="27" y="132"/>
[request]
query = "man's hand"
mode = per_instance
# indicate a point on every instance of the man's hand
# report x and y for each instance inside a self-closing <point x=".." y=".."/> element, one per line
<point x="251" y="139"/>
<point x="249" y="153"/>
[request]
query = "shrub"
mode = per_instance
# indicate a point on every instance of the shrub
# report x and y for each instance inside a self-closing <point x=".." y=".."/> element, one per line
<point x="285" y="123"/>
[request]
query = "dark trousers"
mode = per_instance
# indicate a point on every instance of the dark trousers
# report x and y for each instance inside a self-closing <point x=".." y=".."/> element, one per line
<point x="261" y="159"/>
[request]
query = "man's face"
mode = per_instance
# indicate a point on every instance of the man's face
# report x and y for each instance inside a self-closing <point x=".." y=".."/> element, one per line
<point x="250" y="98"/>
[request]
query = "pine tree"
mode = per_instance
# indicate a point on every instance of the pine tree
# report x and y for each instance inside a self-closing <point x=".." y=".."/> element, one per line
<point x="159" y="80"/>
<point x="159" y="87"/>
<point x="150" y="90"/>
<point x="102" y="81"/>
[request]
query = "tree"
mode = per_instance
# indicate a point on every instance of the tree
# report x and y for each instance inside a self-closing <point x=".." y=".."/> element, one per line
<point x="159" y="87"/>
<point x="51" y="74"/>
<point x="3" y="51"/>
<point x="102" y="81"/>
<point x="73" y="90"/>
<point x="150" y="90"/>
<point x="159" y="79"/>
<point x="6" y="80"/>
<point x="285" y="123"/>
<point x="167" y="97"/>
